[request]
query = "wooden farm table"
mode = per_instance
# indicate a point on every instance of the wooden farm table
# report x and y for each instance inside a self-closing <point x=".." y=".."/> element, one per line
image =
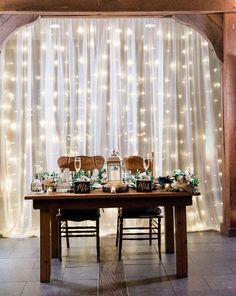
<point x="49" y="205"/>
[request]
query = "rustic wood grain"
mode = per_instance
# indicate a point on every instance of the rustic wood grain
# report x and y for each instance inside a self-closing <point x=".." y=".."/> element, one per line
<point x="45" y="246"/>
<point x="88" y="163"/>
<point x="112" y="279"/>
<point x="134" y="163"/>
<point x="229" y="122"/>
<point x="169" y="230"/>
<point x="137" y="7"/>
<point x="207" y="27"/>
<point x="217" y="18"/>
<point x="99" y="199"/>
<point x="181" y="242"/>
<point x="54" y="234"/>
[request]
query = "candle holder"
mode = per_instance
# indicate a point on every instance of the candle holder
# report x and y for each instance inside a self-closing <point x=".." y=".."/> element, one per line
<point x="114" y="169"/>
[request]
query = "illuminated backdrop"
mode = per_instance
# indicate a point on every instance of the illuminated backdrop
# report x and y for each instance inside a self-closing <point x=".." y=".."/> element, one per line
<point x="86" y="86"/>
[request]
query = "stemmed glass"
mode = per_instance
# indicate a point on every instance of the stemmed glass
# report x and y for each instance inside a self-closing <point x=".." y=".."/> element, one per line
<point x="77" y="164"/>
<point x="146" y="162"/>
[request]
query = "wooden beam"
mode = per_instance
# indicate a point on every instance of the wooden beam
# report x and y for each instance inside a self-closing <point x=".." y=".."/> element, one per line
<point x="229" y="122"/>
<point x="217" y="18"/>
<point x="9" y="23"/>
<point x="117" y="7"/>
<point x="208" y="28"/>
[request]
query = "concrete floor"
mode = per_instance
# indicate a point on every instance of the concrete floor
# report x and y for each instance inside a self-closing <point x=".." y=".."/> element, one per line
<point x="212" y="268"/>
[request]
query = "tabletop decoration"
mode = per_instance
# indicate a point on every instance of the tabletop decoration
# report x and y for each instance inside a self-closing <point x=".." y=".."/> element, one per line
<point x="141" y="181"/>
<point x="179" y="181"/>
<point x="144" y="182"/>
<point x="36" y="183"/>
<point x="106" y="188"/>
<point x="49" y="191"/>
<point x="113" y="189"/>
<point x="119" y="188"/>
<point x="82" y="187"/>
<point x="64" y="181"/>
<point x="114" y="168"/>
<point x="99" y="177"/>
<point x="81" y="183"/>
<point x="43" y="180"/>
<point x="49" y="180"/>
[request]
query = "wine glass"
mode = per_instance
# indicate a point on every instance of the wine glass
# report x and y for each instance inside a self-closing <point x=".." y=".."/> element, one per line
<point x="146" y="162"/>
<point x="77" y="164"/>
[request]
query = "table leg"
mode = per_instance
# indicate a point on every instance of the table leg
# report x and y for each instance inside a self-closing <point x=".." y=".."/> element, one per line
<point x="45" y="246"/>
<point x="181" y="242"/>
<point x="54" y="234"/>
<point x="169" y="230"/>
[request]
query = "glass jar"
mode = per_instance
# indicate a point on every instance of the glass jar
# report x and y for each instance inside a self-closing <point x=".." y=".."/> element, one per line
<point x="36" y="184"/>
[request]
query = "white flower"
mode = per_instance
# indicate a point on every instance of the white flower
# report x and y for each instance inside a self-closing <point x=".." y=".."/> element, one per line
<point x="104" y="175"/>
<point x="174" y="185"/>
<point x="83" y="178"/>
<point x="177" y="172"/>
<point x="95" y="173"/>
<point x="144" y="176"/>
<point x="93" y="179"/>
<point x="188" y="178"/>
<point x="180" y="178"/>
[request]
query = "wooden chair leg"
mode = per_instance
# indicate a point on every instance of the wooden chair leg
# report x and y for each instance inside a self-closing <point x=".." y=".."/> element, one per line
<point x="67" y="235"/>
<point x="120" y="236"/>
<point x="117" y="230"/>
<point x="150" y="231"/>
<point x="59" y="239"/>
<point x="159" y="237"/>
<point x="98" y="239"/>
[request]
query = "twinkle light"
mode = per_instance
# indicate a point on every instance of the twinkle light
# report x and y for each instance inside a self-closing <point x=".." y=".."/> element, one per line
<point x="55" y="26"/>
<point x="129" y="31"/>
<point x="134" y="100"/>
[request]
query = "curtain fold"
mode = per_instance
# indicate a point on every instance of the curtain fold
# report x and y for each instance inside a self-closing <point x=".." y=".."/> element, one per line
<point x="87" y="86"/>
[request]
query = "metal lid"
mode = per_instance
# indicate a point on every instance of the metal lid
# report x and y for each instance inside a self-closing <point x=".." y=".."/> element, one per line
<point x="114" y="158"/>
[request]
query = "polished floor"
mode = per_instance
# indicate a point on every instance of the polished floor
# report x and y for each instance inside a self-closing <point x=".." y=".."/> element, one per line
<point x="212" y="269"/>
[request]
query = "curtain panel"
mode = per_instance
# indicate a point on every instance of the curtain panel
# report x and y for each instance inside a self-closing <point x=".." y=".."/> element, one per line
<point x="86" y="86"/>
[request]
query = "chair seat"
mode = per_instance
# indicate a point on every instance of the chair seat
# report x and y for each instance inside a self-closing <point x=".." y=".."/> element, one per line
<point x="140" y="212"/>
<point x="79" y="215"/>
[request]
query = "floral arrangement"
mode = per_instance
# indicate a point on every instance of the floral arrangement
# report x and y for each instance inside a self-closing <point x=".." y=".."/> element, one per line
<point x="144" y="176"/>
<point x="49" y="179"/>
<point x="98" y="178"/>
<point x="79" y="175"/>
<point x="179" y="181"/>
<point x="83" y="178"/>
<point x="44" y="179"/>
<point x="132" y="178"/>
<point x="50" y="176"/>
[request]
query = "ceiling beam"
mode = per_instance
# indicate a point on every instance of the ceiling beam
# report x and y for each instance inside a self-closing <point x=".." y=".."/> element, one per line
<point x="117" y="7"/>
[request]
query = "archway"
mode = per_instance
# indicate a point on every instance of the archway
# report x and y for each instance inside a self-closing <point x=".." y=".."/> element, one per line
<point x="150" y="27"/>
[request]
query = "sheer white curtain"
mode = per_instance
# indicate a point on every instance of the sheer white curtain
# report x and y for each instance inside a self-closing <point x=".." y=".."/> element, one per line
<point x="86" y="86"/>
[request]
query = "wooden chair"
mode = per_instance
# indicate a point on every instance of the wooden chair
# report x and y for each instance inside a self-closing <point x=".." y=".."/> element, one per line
<point x="153" y="230"/>
<point x="88" y="163"/>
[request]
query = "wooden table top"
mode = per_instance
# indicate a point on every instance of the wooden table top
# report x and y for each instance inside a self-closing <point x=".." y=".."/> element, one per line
<point x="98" y="193"/>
